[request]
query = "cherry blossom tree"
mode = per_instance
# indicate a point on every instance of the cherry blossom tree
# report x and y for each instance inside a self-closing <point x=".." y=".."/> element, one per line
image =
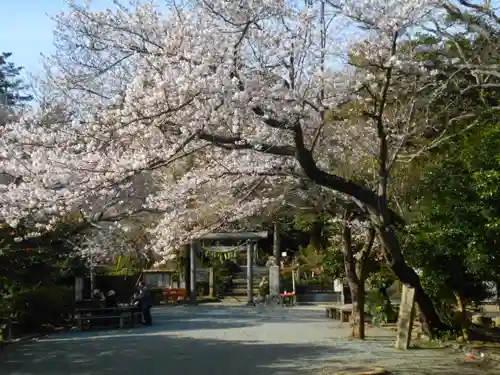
<point x="101" y="246"/>
<point x="253" y="92"/>
<point x="355" y="237"/>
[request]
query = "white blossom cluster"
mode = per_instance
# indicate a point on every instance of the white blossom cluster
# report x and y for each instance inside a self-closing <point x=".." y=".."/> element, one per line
<point x="105" y="244"/>
<point x="359" y="235"/>
<point x="219" y="83"/>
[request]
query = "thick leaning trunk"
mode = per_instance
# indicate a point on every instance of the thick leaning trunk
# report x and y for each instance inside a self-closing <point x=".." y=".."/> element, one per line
<point x="382" y="217"/>
<point x="355" y="275"/>
<point x="358" y="308"/>
<point x="462" y="310"/>
<point x="407" y="275"/>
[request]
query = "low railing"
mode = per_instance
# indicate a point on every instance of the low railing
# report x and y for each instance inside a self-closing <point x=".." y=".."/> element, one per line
<point x="174" y="294"/>
<point x="306" y="288"/>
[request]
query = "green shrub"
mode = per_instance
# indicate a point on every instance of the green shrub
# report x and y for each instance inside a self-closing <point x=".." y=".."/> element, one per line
<point x="496" y="321"/>
<point x="42" y="305"/>
<point x="5" y="307"/>
<point x="380" y="308"/>
<point x="481" y="320"/>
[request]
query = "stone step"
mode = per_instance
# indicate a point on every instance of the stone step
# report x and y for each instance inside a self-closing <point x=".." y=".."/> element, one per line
<point x="244" y="281"/>
<point x="258" y="273"/>
<point x="235" y="299"/>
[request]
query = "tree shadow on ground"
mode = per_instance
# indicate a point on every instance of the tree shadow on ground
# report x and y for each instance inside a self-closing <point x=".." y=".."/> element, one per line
<point x="237" y="313"/>
<point x="195" y="341"/>
<point x="451" y="367"/>
<point x="177" y="325"/>
<point x="135" y="353"/>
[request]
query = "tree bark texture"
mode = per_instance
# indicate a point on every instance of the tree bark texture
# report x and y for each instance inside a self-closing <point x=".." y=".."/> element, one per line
<point x="462" y="310"/>
<point x="358" y="310"/>
<point x="378" y="209"/>
<point x="276" y="243"/>
<point x="356" y="274"/>
<point x="186" y="267"/>
<point x="407" y="275"/>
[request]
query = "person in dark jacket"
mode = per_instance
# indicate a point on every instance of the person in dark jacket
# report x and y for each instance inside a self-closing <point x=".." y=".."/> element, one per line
<point x="111" y="300"/>
<point x="98" y="299"/>
<point x="145" y="302"/>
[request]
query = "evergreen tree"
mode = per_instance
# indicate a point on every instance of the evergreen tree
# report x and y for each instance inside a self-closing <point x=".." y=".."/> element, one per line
<point x="11" y="86"/>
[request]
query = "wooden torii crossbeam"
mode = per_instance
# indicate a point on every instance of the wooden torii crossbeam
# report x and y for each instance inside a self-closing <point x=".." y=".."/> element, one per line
<point x="224" y="249"/>
<point x="250" y="237"/>
<point x="235" y="236"/>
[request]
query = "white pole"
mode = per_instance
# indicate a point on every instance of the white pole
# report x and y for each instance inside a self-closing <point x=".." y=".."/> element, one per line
<point x="293" y="281"/>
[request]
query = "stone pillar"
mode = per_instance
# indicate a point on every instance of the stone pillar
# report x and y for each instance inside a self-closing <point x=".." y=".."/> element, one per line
<point x="274" y="280"/>
<point x="211" y="282"/>
<point x="250" y="248"/>
<point x="405" y="318"/>
<point x="78" y="289"/>
<point x="193" y="287"/>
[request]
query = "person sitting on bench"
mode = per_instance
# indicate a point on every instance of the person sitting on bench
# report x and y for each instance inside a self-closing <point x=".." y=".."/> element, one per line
<point x="111" y="300"/>
<point x="98" y="299"/>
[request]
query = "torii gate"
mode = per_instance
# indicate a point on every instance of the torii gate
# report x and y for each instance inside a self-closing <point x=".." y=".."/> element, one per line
<point x="250" y="237"/>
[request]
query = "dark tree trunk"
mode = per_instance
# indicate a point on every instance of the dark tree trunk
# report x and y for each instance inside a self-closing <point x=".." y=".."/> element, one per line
<point x="356" y="274"/>
<point x="382" y="217"/>
<point x="316" y="240"/>
<point x="462" y="310"/>
<point x="358" y="309"/>
<point x="376" y="202"/>
<point x="407" y="275"/>
<point x="276" y="243"/>
<point x="186" y="267"/>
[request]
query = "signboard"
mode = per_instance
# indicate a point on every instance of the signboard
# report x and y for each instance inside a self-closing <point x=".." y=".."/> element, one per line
<point x="338" y="286"/>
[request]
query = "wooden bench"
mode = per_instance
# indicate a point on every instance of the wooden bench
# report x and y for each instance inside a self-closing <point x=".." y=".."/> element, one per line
<point x="174" y="294"/>
<point x="122" y="318"/>
<point x="339" y="312"/>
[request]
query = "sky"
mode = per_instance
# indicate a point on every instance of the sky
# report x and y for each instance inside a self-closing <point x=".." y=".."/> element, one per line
<point x="26" y="29"/>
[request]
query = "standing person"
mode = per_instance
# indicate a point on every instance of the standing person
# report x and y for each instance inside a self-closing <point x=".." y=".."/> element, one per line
<point x="145" y="302"/>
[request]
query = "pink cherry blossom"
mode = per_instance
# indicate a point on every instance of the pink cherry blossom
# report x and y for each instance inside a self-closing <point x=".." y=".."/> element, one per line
<point x="202" y="103"/>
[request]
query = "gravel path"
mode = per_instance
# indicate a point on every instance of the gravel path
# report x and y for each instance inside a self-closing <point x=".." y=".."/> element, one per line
<point x="217" y="340"/>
